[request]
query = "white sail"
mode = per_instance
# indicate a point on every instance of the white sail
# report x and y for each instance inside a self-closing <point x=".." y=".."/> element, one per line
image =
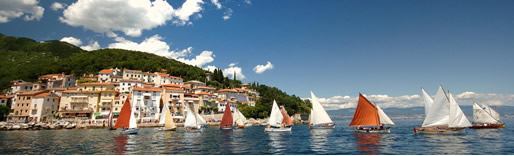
<point x="480" y="115"/>
<point x="318" y="113"/>
<point x="457" y="117"/>
<point x="190" y="119"/>
<point x="199" y="119"/>
<point x="384" y="119"/>
<point x="165" y="109"/>
<point x="276" y="117"/>
<point x="310" y="117"/>
<point x="438" y="112"/>
<point x="427" y="99"/>
<point x="132" y="120"/>
<point x="491" y="112"/>
<point x="239" y="118"/>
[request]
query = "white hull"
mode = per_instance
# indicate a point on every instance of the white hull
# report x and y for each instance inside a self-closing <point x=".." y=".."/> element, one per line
<point x="323" y="126"/>
<point x="130" y="131"/>
<point x="288" y="129"/>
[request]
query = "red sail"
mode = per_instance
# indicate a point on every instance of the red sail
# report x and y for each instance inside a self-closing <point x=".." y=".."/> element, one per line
<point x="124" y="117"/>
<point x="226" y="120"/>
<point x="366" y="114"/>
<point x="288" y="121"/>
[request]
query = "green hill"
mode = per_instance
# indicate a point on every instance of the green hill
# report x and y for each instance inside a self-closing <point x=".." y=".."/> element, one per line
<point x="27" y="59"/>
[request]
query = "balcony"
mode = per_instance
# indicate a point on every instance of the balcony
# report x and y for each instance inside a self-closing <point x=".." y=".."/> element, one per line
<point x="79" y="100"/>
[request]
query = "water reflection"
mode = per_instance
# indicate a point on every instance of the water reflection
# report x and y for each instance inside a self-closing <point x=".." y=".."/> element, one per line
<point x="449" y="143"/>
<point x="319" y="139"/>
<point x="121" y="143"/>
<point x="277" y="141"/>
<point x="367" y="143"/>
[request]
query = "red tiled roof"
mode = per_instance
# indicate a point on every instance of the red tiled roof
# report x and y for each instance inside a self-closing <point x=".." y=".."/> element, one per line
<point x="149" y="89"/>
<point x="106" y="71"/>
<point x="172" y="85"/>
<point x="96" y="84"/>
<point x="205" y="87"/>
<point x="227" y="90"/>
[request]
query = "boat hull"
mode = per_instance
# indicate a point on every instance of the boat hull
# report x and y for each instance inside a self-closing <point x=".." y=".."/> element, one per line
<point x="437" y="130"/>
<point x="226" y="128"/>
<point x="272" y="129"/>
<point x="323" y="126"/>
<point x="373" y="130"/>
<point x="487" y="126"/>
<point x="167" y="129"/>
<point x="130" y="131"/>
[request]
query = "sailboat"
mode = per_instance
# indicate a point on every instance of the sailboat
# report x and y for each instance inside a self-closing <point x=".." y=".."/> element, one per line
<point x="193" y="120"/>
<point x="239" y="119"/>
<point x="166" y="119"/>
<point x="227" y="119"/>
<point x="319" y="117"/>
<point x="126" y="119"/>
<point x="443" y="114"/>
<point x="369" y="118"/>
<point x="485" y="117"/>
<point x="109" y="120"/>
<point x="275" y="122"/>
<point x="287" y="120"/>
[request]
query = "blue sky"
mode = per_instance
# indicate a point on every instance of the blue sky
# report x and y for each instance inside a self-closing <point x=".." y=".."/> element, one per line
<point x="333" y="47"/>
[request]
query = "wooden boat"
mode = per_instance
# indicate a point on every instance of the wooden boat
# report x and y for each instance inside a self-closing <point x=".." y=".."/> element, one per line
<point x="318" y="117"/>
<point x="442" y="114"/>
<point x="239" y="119"/>
<point x="276" y="120"/>
<point x="484" y="117"/>
<point x="227" y="119"/>
<point x="126" y="119"/>
<point x="369" y="118"/>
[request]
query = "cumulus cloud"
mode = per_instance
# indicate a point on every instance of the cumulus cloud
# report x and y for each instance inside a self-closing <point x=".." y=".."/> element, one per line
<point x="128" y="16"/>
<point x="156" y="45"/>
<point x="28" y="9"/>
<point x="210" y="68"/>
<point x="57" y="6"/>
<point x="407" y="101"/>
<point x="189" y="8"/>
<point x="234" y="69"/>
<point x="259" y="69"/>
<point x="77" y="42"/>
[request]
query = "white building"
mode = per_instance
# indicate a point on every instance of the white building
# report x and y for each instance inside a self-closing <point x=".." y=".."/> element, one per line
<point x="43" y="107"/>
<point x="126" y="85"/>
<point x="147" y="103"/>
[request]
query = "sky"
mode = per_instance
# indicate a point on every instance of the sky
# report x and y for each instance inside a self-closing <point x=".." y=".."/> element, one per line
<point x="336" y="48"/>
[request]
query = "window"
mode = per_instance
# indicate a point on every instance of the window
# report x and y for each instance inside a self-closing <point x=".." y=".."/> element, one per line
<point x="35" y="105"/>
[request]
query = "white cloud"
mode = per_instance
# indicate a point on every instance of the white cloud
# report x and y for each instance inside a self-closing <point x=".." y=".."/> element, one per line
<point x="259" y="69"/>
<point x="189" y="8"/>
<point x="77" y="42"/>
<point x="72" y="40"/>
<point x="28" y="9"/>
<point x="227" y="14"/>
<point x="91" y="46"/>
<point x="233" y="69"/>
<point x="157" y="46"/>
<point x="406" y="101"/>
<point x="248" y="2"/>
<point x="210" y="68"/>
<point x="128" y="16"/>
<point x="204" y="58"/>
<point x="216" y="3"/>
<point x="57" y="6"/>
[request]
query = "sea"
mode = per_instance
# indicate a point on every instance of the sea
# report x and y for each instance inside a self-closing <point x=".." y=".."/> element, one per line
<point x="253" y="140"/>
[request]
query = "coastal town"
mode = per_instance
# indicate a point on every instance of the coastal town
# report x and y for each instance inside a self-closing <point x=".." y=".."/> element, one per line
<point x="65" y="101"/>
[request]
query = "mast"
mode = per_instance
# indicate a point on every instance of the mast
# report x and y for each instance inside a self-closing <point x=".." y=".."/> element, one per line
<point x="366" y="114"/>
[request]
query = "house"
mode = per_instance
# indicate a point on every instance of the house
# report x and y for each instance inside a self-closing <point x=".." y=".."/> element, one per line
<point x="5" y="100"/>
<point x="87" y="101"/>
<point x="50" y="81"/>
<point x="147" y="103"/>
<point x="109" y="75"/>
<point x="173" y="95"/>
<point x="21" y="108"/>
<point x="43" y="107"/>
<point x="20" y="86"/>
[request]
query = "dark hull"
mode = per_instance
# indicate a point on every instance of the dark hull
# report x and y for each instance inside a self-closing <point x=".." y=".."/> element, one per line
<point x="373" y="130"/>
<point x="437" y="130"/>
<point x="487" y="126"/>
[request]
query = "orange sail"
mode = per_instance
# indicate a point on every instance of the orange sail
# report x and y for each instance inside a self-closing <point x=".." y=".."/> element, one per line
<point x="286" y="120"/>
<point x="124" y="117"/>
<point x="366" y="114"/>
<point x="226" y="120"/>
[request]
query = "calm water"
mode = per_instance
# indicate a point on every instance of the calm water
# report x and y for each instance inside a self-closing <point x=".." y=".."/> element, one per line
<point x="254" y="140"/>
